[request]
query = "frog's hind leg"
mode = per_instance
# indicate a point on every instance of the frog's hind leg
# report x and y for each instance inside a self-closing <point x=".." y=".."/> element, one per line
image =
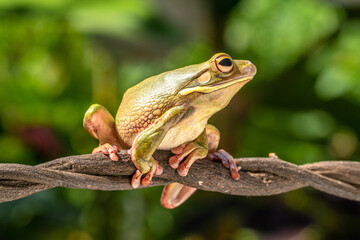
<point x="174" y="194"/>
<point x="227" y="160"/>
<point x="100" y="124"/>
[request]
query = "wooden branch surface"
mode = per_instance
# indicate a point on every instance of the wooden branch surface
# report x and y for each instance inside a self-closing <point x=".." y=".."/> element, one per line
<point x="259" y="176"/>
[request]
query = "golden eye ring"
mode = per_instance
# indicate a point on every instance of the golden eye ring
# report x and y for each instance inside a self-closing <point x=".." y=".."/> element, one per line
<point x="224" y="63"/>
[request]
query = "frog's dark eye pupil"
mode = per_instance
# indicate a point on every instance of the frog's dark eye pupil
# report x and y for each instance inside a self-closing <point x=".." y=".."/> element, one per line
<point x="226" y="62"/>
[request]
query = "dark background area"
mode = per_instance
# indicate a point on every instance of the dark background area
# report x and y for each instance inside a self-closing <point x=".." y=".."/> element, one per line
<point x="58" y="57"/>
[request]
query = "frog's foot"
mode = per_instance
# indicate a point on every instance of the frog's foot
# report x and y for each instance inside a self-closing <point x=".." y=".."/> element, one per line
<point x="108" y="150"/>
<point x="227" y="160"/>
<point x="192" y="151"/>
<point x="136" y="179"/>
<point x="174" y="194"/>
<point x="149" y="168"/>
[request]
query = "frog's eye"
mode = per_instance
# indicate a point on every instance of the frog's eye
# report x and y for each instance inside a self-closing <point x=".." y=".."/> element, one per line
<point x="224" y="63"/>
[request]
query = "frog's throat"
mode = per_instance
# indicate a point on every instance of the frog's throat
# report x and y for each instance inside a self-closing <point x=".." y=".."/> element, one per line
<point x="215" y="86"/>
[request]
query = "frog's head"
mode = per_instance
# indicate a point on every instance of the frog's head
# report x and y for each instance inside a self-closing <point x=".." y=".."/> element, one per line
<point x="217" y="81"/>
<point x="209" y="85"/>
<point x="220" y="72"/>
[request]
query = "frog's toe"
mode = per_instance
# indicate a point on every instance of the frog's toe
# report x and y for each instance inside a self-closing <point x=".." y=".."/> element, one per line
<point x="147" y="179"/>
<point x="192" y="151"/>
<point x="108" y="150"/>
<point x="155" y="169"/>
<point x="159" y="169"/>
<point x="174" y="161"/>
<point x="149" y="168"/>
<point x="184" y="167"/>
<point x="227" y="160"/>
<point x="135" y="181"/>
<point x="178" y="149"/>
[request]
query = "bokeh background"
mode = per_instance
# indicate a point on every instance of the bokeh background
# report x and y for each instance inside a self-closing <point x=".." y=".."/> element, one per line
<point x="57" y="57"/>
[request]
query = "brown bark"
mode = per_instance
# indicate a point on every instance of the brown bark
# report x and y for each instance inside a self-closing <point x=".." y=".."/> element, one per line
<point x="259" y="176"/>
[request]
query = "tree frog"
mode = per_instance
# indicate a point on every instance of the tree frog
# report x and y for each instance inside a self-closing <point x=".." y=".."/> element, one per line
<point x="170" y="111"/>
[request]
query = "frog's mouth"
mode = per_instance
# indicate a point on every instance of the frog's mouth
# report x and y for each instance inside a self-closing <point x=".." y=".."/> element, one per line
<point x="216" y="86"/>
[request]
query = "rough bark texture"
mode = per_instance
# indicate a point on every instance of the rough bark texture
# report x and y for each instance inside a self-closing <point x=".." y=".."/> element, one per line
<point x="259" y="176"/>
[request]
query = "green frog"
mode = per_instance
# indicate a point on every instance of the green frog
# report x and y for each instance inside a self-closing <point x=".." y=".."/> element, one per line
<point x="170" y="111"/>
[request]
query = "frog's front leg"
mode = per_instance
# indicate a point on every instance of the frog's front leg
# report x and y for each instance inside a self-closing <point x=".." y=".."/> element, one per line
<point x="174" y="194"/>
<point x="145" y="144"/>
<point x="192" y="151"/>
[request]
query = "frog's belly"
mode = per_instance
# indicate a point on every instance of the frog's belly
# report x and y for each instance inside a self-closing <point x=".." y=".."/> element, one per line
<point x="187" y="131"/>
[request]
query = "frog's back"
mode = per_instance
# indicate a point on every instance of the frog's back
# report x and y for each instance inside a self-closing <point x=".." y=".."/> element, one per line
<point x="145" y="102"/>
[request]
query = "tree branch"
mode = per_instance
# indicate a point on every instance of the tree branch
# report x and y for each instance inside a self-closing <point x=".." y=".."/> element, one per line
<point x="259" y="176"/>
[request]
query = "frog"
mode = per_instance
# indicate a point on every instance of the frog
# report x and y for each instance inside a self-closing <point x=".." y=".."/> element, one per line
<point x="170" y="111"/>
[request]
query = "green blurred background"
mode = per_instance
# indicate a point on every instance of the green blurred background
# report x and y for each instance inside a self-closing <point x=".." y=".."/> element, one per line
<point x="59" y="56"/>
